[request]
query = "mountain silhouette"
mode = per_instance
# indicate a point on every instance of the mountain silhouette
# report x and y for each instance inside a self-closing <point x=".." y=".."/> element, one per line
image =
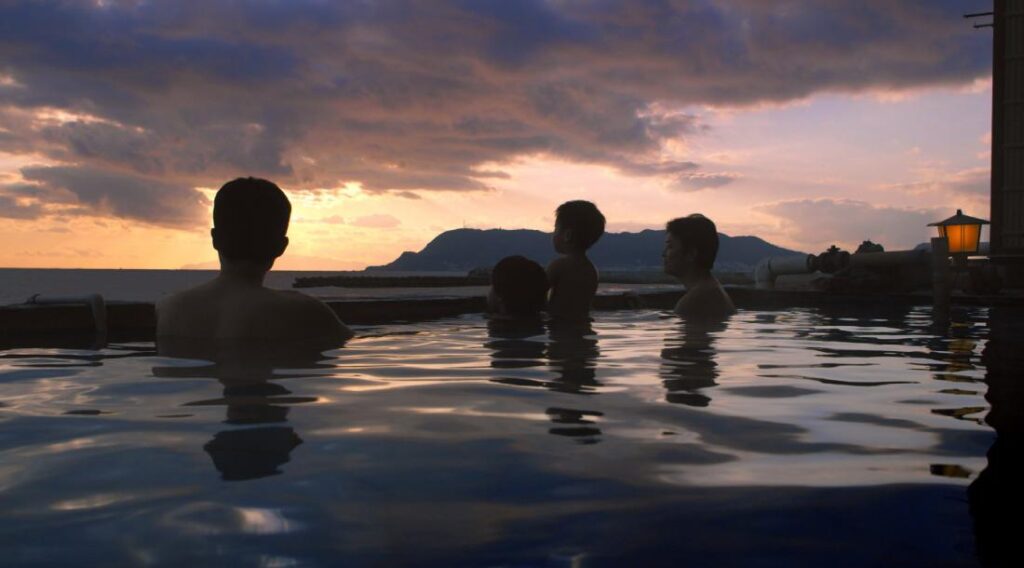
<point x="465" y="249"/>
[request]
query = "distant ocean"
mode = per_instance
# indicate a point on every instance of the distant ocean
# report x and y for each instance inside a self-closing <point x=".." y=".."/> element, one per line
<point x="18" y="284"/>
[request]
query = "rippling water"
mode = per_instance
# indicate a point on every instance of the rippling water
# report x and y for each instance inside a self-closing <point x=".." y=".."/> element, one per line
<point x="798" y="437"/>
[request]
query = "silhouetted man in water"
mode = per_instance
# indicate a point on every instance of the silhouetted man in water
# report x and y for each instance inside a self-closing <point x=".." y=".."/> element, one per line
<point x="250" y="223"/>
<point x="691" y="245"/>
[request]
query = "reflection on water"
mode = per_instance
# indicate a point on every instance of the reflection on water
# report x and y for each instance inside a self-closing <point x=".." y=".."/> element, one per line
<point x="572" y="355"/>
<point x="250" y="397"/>
<point x="688" y="362"/>
<point x="997" y="495"/>
<point x="575" y="424"/>
<point x="571" y="352"/>
<point x="844" y="437"/>
<point x="515" y="343"/>
<point x="251" y="453"/>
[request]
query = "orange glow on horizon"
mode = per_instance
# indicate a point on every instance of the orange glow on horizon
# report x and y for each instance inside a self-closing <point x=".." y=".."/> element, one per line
<point x="753" y="161"/>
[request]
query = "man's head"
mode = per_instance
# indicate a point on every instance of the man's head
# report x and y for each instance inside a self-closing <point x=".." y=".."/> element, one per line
<point x="519" y="287"/>
<point x="691" y="243"/>
<point x="578" y="225"/>
<point x="250" y="220"/>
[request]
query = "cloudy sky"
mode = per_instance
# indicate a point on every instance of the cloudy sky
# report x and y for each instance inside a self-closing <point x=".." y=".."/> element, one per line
<point x="804" y="122"/>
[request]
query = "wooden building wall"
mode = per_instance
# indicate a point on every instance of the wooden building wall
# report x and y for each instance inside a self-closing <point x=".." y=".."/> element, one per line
<point x="1007" y="215"/>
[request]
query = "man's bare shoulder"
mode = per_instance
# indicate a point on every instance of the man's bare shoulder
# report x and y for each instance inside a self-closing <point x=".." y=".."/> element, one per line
<point x="183" y="297"/>
<point x="181" y="311"/>
<point x="311" y="314"/>
<point x="706" y="301"/>
<point x="166" y="304"/>
<point x="249" y="313"/>
<point x="299" y="301"/>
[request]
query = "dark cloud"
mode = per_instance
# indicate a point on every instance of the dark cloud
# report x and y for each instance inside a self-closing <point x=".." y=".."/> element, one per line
<point x="23" y="190"/>
<point x="11" y="208"/>
<point x="418" y="95"/>
<point x="106" y="143"/>
<point x="126" y="196"/>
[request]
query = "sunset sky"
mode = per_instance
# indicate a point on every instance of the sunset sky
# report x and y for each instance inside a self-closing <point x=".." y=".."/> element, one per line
<point x="804" y="122"/>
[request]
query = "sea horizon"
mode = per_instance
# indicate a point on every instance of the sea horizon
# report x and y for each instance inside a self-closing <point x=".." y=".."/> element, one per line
<point x="17" y="285"/>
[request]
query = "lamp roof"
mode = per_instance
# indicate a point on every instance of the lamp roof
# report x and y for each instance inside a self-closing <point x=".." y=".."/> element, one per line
<point x="959" y="219"/>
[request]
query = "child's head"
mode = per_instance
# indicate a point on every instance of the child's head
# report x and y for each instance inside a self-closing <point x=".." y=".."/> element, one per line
<point x="578" y="225"/>
<point x="519" y="287"/>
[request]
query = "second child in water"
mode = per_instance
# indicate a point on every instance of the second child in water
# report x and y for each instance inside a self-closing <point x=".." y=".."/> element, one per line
<point x="573" y="278"/>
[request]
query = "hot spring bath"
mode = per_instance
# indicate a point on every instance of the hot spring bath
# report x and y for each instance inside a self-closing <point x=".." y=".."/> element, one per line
<point x="798" y="437"/>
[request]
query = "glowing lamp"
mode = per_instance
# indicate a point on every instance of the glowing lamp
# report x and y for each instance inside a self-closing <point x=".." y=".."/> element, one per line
<point x="962" y="232"/>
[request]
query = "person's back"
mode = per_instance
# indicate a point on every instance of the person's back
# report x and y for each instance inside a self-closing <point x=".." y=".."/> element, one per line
<point x="573" y="277"/>
<point x="250" y="226"/>
<point x="573" y="287"/>
<point x="224" y="309"/>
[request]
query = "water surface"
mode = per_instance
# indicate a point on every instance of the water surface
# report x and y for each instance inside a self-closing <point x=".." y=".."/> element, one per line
<point x="801" y="437"/>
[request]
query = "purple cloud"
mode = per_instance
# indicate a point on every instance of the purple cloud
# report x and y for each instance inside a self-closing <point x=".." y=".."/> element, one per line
<point x="405" y="96"/>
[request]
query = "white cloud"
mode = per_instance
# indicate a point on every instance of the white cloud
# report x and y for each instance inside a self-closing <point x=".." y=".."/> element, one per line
<point x="817" y="223"/>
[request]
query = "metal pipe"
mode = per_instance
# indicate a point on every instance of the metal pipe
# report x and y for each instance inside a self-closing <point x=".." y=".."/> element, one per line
<point x="770" y="268"/>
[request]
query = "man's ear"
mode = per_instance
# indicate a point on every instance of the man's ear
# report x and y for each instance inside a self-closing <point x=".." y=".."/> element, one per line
<point x="213" y="237"/>
<point x="568" y="235"/>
